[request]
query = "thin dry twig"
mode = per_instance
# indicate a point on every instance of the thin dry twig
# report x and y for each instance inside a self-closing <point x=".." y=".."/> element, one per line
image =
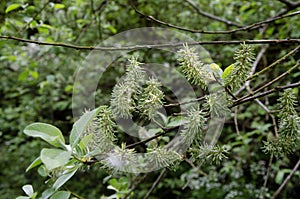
<point x="244" y="28"/>
<point x="268" y="92"/>
<point x="274" y="63"/>
<point x="286" y="180"/>
<point x="136" y="185"/>
<point x="166" y="45"/>
<point x="155" y="183"/>
<point x="267" y="176"/>
<point x="271" y="82"/>
<point x="290" y="3"/>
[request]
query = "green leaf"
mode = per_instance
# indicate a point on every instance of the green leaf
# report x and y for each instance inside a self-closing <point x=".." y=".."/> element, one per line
<point x="80" y="126"/>
<point x="61" y="195"/>
<point x="59" y="6"/>
<point x="23" y="197"/>
<point x="35" y="163"/>
<point x="177" y="121"/>
<point x="83" y="144"/>
<point x="12" y="7"/>
<point x="112" y="29"/>
<point x="28" y="189"/>
<point x="53" y="158"/>
<point x="64" y="178"/>
<point x="42" y="171"/>
<point x="227" y="71"/>
<point x="279" y="177"/>
<point x="47" y="193"/>
<point x="47" y="132"/>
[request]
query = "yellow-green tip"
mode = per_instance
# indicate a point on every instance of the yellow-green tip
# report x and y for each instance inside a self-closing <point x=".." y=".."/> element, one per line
<point x="227" y="71"/>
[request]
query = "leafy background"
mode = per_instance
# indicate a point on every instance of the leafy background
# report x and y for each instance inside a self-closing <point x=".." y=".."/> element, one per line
<point x="37" y="83"/>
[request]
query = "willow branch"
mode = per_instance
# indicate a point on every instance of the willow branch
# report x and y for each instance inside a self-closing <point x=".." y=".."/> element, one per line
<point x="274" y="63"/>
<point x="210" y="16"/>
<point x="136" y="185"/>
<point x="267" y="176"/>
<point x="166" y="45"/>
<point x="272" y="82"/>
<point x="245" y="28"/>
<point x="268" y="92"/>
<point x="155" y="183"/>
<point x="286" y="180"/>
<point x="290" y="3"/>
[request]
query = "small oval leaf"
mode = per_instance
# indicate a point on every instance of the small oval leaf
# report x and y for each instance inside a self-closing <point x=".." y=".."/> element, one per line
<point x="28" y="189"/>
<point x="47" y="132"/>
<point x="227" y="71"/>
<point x="12" y="7"/>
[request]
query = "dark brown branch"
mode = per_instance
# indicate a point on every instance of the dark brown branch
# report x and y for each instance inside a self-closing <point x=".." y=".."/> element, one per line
<point x="245" y="28"/>
<point x="267" y="176"/>
<point x="167" y="45"/>
<point x="272" y="82"/>
<point x="274" y="63"/>
<point x="155" y="183"/>
<point x="210" y="16"/>
<point x="136" y="185"/>
<point x="276" y="89"/>
<point x="290" y="3"/>
<point x="286" y="180"/>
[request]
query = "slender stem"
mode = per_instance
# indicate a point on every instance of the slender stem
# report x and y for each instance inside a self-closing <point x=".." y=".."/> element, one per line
<point x="289" y="3"/>
<point x="136" y="185"/>
<point x="155" y="183"/>
<point x="267" y="176"/>
<point x="286" y="180"/>
<point x="276" y="89"/>
<point x="166" y="45"/>
<point x="271" y="82"/>
<point x="245" y="28"/>
<point x="274" y="63"/>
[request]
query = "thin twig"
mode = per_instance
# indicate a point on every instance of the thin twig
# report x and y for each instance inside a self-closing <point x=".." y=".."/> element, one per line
<point x="271" y="82"/>
<point x="274" y="63"/>
<point x="155" y="183"/>
<point x="210" y="16"/>
<point x="270" y="114"/>
<point x="267" y="176"/>
<point x="136" y="185"/>
<point x="286" y="180"/>
<point x="245" y="28"/>
<point x="289" y="3"/>
<point x="166" y="45"/>
<point x="276" y="89"/>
